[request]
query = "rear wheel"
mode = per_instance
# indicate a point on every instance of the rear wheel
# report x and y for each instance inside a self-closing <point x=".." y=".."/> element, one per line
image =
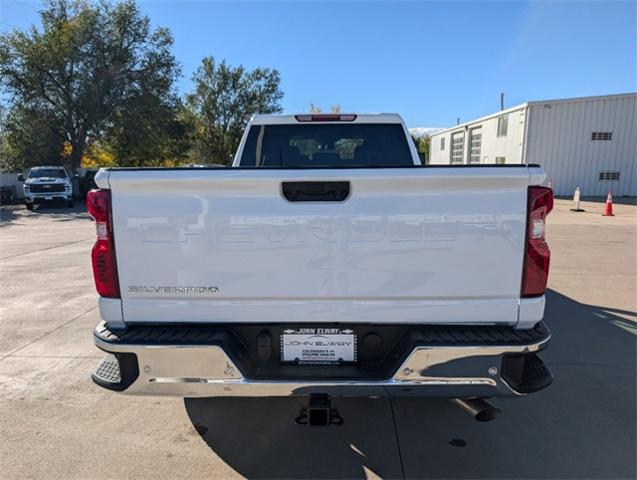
<point x="29" y="206"/>
<point x="71" y="203"/>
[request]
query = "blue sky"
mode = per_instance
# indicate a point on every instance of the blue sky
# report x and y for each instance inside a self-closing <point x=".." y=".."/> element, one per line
<point x="430" y="61"/>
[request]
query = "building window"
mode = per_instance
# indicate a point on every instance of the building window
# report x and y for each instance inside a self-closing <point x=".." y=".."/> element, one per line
<point x="500" y="160"/>
<point x="503" y="125"/>
<point x="609" y="175"/>
<point x="475" y="144"/>
<point x="442" y="144"/>
<point x="457" y="147"/>
<point x="602" y="136"/>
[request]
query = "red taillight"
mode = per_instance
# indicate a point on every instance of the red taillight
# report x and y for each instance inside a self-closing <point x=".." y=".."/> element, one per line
<point x="326" y="117"/>
<point x="98" y="204"/>
<point x="537" y="255"/>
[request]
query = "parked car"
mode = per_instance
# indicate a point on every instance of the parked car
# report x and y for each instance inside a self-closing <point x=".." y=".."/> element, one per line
<point x="87" y="182"/>
<point x="47" y="184"/>
<point x="7" y="194"/>
<point x="328" y="261"/>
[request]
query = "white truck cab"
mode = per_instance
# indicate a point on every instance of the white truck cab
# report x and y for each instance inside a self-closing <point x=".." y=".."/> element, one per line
<point x="46" y="184"/>
<point x="327" y="260"/>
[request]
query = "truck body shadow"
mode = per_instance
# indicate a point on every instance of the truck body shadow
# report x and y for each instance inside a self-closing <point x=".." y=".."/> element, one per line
<point x="14" y="214"/>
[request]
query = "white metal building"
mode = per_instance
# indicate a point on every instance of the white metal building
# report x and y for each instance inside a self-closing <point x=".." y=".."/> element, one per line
<point x="588" y="142"/>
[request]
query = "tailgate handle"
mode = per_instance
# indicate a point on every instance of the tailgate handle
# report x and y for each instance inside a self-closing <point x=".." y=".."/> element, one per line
<point x="315" y="191"/>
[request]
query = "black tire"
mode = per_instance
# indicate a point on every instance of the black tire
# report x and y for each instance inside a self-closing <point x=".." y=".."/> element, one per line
<point x="71" y="203"/>
<point x="29" y="207"/>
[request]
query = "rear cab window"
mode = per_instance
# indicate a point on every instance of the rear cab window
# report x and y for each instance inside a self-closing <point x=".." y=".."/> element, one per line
<point x="326" y="145"/>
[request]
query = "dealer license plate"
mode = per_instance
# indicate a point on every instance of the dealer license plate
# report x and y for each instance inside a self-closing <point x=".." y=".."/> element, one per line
<point x="318" y="345"/>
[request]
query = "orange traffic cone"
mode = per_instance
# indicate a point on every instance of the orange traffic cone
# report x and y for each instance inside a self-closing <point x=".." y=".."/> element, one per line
<point x="608" y="210"/>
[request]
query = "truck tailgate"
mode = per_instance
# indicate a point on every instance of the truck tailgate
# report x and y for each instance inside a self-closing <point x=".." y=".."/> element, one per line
<point x="409" y="245"/>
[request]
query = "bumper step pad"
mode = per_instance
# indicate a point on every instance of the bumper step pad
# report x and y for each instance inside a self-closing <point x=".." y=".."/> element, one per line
<point x="108" y="370"/>
<point x="526" y="373"/>
<point x="536" y="375"/>
<point x="117" y="371"/>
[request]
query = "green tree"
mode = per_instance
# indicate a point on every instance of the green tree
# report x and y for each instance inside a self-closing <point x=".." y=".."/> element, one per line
<point x="30" y="135"/>
<point x="422" y="146"/>
<point x="91" y="68"/>
<point x="223" y="100"/>
<point x="150" y="132"/>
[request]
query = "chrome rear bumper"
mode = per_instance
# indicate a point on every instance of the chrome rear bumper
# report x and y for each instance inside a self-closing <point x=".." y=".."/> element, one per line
<point x="445" y="370"/>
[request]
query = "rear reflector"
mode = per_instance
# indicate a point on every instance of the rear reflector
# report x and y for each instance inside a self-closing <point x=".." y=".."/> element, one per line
<point x="326" y="117"/>
<point x="98" y="204"/>
<point x="537" y="255"/>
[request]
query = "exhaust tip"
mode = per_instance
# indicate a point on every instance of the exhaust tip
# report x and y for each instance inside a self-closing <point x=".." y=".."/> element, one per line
<point x="488" y="414"/>
<point x="478" y="408"/>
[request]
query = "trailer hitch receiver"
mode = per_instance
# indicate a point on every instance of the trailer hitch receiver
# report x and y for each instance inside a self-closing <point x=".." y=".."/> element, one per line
<point x="319" y="412"/>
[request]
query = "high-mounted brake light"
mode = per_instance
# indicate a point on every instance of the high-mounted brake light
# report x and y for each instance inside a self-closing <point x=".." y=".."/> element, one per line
<point x="537" y="255"/>
<point x="98" y="204"/>
<point x="326" y="117"/>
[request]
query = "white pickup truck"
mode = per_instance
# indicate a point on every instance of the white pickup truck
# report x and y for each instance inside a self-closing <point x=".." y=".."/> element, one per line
<point x="47" y="185"/>
<point x="326" y="260"/>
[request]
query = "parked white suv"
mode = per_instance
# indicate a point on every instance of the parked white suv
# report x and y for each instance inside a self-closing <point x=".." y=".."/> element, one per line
<point x="327" y="260"/>
<point x="47" y="184"/>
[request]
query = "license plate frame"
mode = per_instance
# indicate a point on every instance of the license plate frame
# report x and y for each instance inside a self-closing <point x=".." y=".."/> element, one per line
<point x="318" y="346"/>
